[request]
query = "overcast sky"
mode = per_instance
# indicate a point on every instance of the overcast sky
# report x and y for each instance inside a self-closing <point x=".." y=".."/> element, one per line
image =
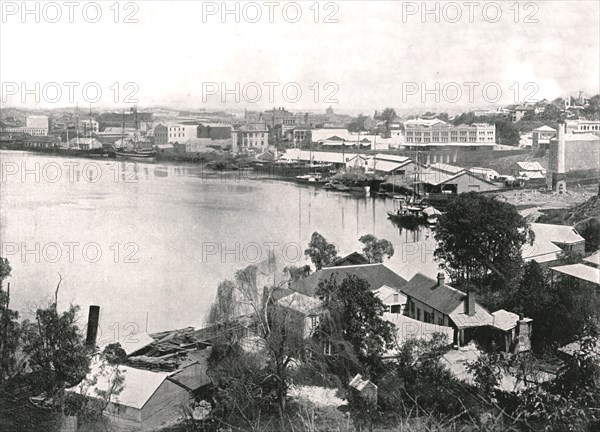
<point x="377" y="54"/>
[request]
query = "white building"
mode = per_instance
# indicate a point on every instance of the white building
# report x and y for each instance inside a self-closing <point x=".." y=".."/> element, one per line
<point x="436" y="131"/>
<point x="88" y="126"/>
<point x="253" y="136"/>
<point x="581" y="126"/>
<point x="171" y="133"/>
<point x="36" y="126"/>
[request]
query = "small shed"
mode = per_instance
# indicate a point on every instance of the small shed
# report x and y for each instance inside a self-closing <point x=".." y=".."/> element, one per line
<point x="364" y="388"/>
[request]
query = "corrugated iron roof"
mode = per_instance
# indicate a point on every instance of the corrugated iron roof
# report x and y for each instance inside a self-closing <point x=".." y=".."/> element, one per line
<point x="138" y="385"/>
<point x="593" y="259"/>
<point x="580" y="271"/>
<point x="504" y="320"/>
<point x="377" y="275"/>
<point x="443" y="298"/>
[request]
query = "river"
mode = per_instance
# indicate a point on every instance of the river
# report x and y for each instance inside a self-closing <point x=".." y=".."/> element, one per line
<point x="149" y="242"/>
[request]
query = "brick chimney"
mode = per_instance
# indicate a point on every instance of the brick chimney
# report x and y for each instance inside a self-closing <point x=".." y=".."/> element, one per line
<point x="469" y="303"/>
<point x="92" y="327"/>
<point x="441" y="279"/>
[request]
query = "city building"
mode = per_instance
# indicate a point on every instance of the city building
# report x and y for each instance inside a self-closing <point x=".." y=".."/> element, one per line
<point x="88" y="126"/>
<point x="252" y="136"/>
<point x="170" y="133"/>
<point x="581" y="126"/>
<point x="435" y="131"/>
<point x="542" y="136"/>
<point x="42" y="142"/>
<point x="35" y="125"/>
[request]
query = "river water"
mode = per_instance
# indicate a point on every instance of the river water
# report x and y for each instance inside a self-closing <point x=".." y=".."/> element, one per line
<point x="149" y="242"/>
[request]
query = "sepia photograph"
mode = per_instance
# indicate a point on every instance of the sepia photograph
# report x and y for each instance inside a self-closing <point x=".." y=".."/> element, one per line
<point x="303" y="216"/>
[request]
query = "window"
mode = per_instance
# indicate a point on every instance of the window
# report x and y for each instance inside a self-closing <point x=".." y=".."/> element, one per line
<point x="314" y="322"/>
<point x="418" y="314"/>
<point x="396" y="298"/>
<point x="395" y="309"/>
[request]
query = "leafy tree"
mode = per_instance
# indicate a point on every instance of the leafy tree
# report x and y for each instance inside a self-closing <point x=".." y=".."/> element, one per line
<point x="388" y="116"/>
<point x="354" y="315"/>
<point x="9" y="327"/>
<point x="569" y="402"/>
<point x="375" y="249"/>
<point x="321" y="253"/>
<point x="5" y="270"/>
<point x="487" y="372"/>
<point x="56" y="347"/>
<point x="591" y="233"/>
<point x="294" y="273"/>
<point x="479" y="242"/>
<point x="358" y="124"/>
<point x="417" y="378"/>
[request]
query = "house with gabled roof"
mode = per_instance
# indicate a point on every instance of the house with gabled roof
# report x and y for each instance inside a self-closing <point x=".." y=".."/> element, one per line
<point x="550" y="241"/>
<point x="436" y="302"/>
<point x="377" y="275"/>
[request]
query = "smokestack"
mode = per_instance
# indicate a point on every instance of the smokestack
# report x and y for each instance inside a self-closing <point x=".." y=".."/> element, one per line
<point x="92" y="328"/>
<point x="441" y="279"/>
<point x="469" y="303"/>
<point x="560" y="151"/>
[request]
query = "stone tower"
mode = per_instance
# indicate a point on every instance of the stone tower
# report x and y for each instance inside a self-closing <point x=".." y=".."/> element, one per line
<point x="557" y="177"/>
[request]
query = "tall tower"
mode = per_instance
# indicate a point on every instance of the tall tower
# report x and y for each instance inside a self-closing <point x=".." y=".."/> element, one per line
<point x="557" y="177"/>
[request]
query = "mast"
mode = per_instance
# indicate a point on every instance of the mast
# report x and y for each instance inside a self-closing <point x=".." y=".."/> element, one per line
<point x="77" y="125"/>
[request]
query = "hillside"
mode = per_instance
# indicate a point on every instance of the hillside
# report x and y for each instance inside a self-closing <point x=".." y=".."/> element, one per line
<point x="573" y="215"/>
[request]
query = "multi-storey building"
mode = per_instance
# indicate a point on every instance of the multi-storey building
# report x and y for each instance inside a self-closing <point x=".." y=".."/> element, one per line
<point x="253" y="136"/>
<point x="581" y="126"/>
<point x="88" y="126"/>
<point x="171" y="133"/>
<point x="438" y="132"/>
<point x="35" y="126"/>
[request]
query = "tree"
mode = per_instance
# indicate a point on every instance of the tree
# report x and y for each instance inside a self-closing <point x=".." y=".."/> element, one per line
<point x="56" y="347"/>
<point x="479" y="242"/>
<point x="375" y="249"/>
<point x="9" y="327"/>
<point x="591" y="233"/>
<point x="358" y="124"/>
<point x="321" y="253"/>
<point x="354" y="315"/>
<point x="294" y="273"/>
<point x="388" y="116"/>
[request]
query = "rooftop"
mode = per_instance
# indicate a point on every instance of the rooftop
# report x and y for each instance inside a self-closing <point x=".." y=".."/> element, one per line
<point x="443" y="298"/>
<point x="593" y="259"/>
<point x="581" y="272"/>
<point x="377" y="275"/>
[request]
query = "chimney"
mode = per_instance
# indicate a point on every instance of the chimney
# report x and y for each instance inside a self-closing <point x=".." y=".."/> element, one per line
<point x="441" y="279"/>
<point x="92" y="328"/>
<point x="560" y="151"/>
<point x="469" y="303"/>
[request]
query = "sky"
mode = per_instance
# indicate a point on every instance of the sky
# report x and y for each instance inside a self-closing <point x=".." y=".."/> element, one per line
<point x="355" y="56"/>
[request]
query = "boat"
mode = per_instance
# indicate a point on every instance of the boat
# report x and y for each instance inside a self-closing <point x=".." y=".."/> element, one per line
<point x="135" y="154"/>
<point x="313" y="178"/>
<point x="132" y="151"/>
<point x="408" y="210"/>
<point x="336" y="186"/>
<point x="431" y="215"/>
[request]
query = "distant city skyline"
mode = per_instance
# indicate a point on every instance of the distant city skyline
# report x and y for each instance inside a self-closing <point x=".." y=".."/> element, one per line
<point x="374" y="56"/>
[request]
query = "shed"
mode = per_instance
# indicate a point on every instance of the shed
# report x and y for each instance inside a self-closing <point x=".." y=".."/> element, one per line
<point x="146" y="401"/>
<point x="365" y="388"/>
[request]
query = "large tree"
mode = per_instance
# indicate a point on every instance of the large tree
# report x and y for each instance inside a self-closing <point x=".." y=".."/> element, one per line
<point x="56" y="347"/>
<point x="320" y="251"/>
<point x="375" y="249"/>
<point x="479" y="242"/>
<point x="9" y="327"/>
<point x="354" y="319"/>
